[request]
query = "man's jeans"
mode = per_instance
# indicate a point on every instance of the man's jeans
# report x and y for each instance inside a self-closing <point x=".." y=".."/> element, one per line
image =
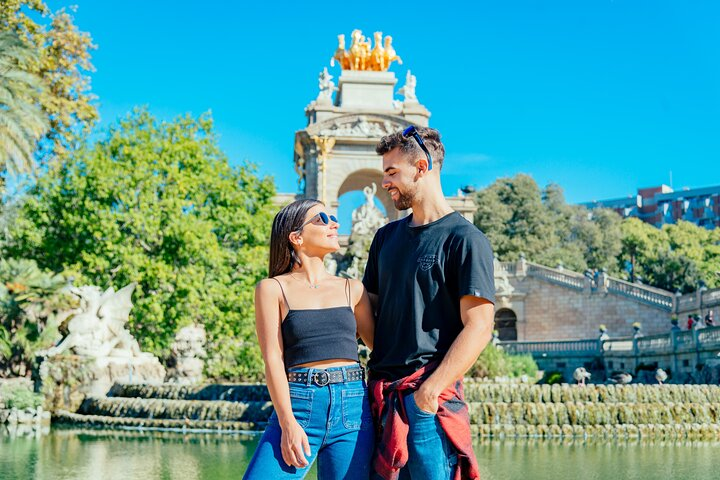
<point x="338" y="423"/>
<point x="430" y="454"/>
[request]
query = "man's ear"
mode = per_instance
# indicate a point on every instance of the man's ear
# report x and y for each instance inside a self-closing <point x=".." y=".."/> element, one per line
<point x="295" y="238"/>
<point x="422" y="165"/>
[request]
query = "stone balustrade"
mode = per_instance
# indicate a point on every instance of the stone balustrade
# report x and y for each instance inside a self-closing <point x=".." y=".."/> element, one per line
<point x="679" y="351"/>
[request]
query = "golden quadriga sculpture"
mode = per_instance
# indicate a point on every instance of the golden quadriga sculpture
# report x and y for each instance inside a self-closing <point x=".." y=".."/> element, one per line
<point x="363" y="56"/>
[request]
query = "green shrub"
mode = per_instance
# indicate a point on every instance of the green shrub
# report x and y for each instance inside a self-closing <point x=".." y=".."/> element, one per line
<point x="33" y="303"/>
<point x="19" y="396"/>
<point x="494" y="362"/>
<point x="523" y="365"/>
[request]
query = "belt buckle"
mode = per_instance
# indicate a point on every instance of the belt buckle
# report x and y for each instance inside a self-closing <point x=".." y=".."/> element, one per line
<point x="321" y="379"/>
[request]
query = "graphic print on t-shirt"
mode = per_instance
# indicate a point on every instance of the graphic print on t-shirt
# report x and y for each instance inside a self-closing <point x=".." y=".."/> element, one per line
<point x="427" y="261"/>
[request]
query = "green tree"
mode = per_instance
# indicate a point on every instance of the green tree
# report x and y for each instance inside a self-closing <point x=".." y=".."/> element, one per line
<point x="22" y="121"/>
<point x="676" y="257"/>
<point x="518" y="217"/>
<point x="63" y="63"/>
<point x="157" y="203"/>
<point x="511" y="214"/>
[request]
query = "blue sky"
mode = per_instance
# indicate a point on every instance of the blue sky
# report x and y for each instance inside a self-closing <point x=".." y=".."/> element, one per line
<point x="599" y="96"/>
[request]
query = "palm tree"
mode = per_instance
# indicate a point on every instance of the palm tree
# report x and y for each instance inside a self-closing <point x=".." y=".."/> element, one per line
<point x="22" y="120"/>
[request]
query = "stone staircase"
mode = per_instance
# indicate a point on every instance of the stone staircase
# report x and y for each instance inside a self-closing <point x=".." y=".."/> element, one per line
<point x="672" y="412"/>
<point x="225" y="408"/>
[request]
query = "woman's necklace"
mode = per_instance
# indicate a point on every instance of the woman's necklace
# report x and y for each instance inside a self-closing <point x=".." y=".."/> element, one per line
<point x="312" y="285"/>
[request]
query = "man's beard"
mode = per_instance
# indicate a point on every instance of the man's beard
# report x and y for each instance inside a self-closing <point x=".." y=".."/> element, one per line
<point x="404" y="200"/>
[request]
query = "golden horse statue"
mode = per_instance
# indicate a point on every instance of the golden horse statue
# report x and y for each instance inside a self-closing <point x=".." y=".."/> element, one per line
<point x="359" y="51"/>
<point x="377" y="56"/>
<point x="362" y="56"/>
<point x="390" y="55"/>
<point x="341" y="55"/>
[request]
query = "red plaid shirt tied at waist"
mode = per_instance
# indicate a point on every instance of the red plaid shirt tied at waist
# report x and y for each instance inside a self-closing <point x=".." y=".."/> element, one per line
<point x="391" y="453"/>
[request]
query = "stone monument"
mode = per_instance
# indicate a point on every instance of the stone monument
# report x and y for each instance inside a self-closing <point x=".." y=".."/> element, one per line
<point x="188" y="351"/>
<point x="98" y="334"/>
<point x="335" y="152"/>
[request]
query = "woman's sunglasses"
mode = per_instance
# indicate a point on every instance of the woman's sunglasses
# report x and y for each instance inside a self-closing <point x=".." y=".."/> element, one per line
<point x="324" y="218"/>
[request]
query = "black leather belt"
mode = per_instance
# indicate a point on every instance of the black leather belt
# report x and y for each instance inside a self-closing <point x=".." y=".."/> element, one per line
<point x="324" y="377"/>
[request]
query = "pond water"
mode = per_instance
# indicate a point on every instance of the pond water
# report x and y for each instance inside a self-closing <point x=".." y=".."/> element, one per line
<point x="66" y="454"/>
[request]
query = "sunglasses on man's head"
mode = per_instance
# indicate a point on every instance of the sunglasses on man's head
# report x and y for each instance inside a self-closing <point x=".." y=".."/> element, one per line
<point x="411" y="131"/>
<point x="324" y="218"/>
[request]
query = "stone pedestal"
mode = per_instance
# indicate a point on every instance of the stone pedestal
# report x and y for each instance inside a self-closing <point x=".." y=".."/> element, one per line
<point x="369" y="91"/>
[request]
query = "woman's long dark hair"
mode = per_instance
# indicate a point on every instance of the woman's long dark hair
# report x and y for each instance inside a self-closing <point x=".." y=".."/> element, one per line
<point x="287" y="220"/>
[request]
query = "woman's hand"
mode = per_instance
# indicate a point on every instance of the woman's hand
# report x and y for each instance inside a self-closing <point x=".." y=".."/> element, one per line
<point x="293" y="443"/>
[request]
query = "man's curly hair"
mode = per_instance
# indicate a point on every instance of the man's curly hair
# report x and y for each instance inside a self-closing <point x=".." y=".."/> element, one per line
<point x="410" y="148"/>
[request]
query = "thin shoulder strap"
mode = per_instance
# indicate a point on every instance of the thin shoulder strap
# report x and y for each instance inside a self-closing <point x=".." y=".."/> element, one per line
<point x="348" y="292"/>
<point x="283" y="293"/>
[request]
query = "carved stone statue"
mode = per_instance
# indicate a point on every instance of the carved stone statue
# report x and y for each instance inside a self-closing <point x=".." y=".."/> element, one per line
<point x="408" y="90"/>
<point x="98" y="331"/>
<point x="503" y="288"/>
<point x="327" y="87"/>
<point x="188" y="351"/>
<point x="366" y="220"/>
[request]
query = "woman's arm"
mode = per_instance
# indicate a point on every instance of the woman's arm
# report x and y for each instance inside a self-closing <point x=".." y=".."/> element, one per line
<point x="267" y="324"/>
<point x="363" y="313"/>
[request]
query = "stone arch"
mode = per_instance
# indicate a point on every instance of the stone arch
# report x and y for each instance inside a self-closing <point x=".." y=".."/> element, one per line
<point x="506" y="324"/>
<point x="359" y="179"/>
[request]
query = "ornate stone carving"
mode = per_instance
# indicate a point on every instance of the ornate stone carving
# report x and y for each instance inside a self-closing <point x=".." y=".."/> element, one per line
<point x="188" y="351"/>
<point x="98" y="332"/>
<point x="324" y="147"/>
<point x="362" y="56"/>
<point x="360" y="127"/>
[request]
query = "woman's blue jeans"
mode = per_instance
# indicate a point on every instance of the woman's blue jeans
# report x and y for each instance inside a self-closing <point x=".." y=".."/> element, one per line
<point x="338" y="424"/>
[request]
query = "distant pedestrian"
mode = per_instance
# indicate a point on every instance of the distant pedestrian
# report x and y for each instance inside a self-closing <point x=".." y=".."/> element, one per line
<point x="690" y="322"/>
<point x="709" y="320"/>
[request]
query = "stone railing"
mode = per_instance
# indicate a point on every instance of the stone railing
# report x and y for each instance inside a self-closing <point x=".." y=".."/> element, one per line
<point x="652" y="296"/>
<point x="510" y="267"/>
<point x="560" y="347"/>
<point x="704" y="339"/>
<point x="565" y="278"/>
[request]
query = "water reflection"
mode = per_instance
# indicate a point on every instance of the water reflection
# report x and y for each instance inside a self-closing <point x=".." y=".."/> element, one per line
<point x="124" y="455"/>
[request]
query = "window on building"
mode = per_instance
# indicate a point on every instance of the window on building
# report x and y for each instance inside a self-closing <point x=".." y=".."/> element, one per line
<point x="506" y="324"/>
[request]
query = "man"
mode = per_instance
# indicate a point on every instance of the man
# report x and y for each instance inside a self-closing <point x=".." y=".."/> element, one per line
<point x="430" y="279"/>
<point x="709" y="319"/>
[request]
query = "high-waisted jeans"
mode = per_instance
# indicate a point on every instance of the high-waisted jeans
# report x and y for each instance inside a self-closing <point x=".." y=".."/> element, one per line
<point x="338" y="424"/>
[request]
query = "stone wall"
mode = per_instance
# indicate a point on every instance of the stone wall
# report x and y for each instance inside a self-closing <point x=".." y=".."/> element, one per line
<point x="557" y="312"/>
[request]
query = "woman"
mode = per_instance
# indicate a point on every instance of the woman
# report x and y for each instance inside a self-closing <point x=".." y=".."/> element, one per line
<point x="307" y="325"/>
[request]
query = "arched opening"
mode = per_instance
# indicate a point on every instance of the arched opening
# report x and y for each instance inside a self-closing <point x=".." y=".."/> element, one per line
<point x="506" y="324"/>
<point x="350" y="196"/>
<point x="348" y="202"/>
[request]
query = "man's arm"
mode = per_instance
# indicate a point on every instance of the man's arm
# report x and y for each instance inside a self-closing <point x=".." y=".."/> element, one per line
<point x="373" y="302"/>
<point x="477" y="315"/>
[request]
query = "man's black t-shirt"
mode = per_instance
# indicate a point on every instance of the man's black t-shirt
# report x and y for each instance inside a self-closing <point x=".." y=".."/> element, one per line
<point x="419" y="274"/>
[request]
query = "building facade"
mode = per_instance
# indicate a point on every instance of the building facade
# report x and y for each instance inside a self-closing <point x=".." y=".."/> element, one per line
<point x="660" y="205"/>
